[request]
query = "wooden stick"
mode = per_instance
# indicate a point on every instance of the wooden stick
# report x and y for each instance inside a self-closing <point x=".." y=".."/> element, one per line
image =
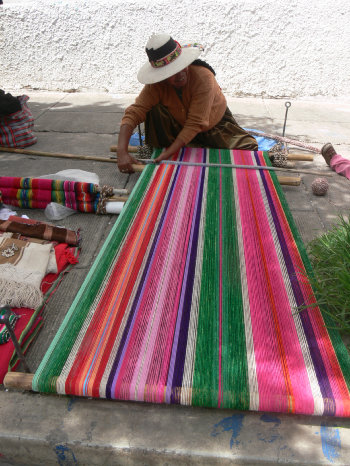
<point x="289" y="180"/>
<point x="18" y="380"/>
<point x="119" y="191"/>
<point x="117" y="199"/>
<point x="57" y="154"/>
<point x="130" y="148"/>
<point x="301" y="157"/>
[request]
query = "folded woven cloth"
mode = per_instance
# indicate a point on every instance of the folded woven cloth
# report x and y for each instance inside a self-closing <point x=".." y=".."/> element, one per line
<point x="23" y="265"/>
<point x="41" y="230"/>
<point x="37" y="193"/>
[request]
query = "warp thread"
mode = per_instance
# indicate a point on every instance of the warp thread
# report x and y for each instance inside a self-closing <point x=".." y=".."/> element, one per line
<point x="293" y="142"/>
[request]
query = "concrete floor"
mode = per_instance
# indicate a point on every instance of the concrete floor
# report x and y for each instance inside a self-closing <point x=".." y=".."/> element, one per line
<point x="39" y="429"/>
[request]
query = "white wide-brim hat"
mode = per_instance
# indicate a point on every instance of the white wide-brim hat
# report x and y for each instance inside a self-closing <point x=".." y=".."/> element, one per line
<point x="166" y="58"/>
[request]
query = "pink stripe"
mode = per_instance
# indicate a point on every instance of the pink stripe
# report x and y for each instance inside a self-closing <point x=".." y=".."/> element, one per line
<point x="146" y="336"/>
<point x="159" y="348"/>
<point x="194" y="155"/>
<point x="291" y="344"/>
<point x="266" y="293"/>
<point x="338" y="385"/>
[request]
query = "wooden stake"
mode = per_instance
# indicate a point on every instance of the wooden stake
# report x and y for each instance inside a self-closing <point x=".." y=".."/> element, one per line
<point x="18" y="380"/>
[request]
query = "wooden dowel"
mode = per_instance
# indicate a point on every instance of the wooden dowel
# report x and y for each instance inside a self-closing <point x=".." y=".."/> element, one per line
<point x="117" y="199"/>
<point x="289" y="180"/>
<point x="57" y="154"/>
<point x="301" y="157"/>
<point x="18" y="380"/>
<point x="138" y="168"/>
<point x="118" y="191"/>
<point x="130" y="149"/>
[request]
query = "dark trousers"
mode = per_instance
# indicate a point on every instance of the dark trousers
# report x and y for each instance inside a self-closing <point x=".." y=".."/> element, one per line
<point x="161" y="129"/>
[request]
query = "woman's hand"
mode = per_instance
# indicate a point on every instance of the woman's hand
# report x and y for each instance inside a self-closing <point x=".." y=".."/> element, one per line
<point x="175" y="146"/>
<point x="164" y="156"/>
<point x="125" y="161"/>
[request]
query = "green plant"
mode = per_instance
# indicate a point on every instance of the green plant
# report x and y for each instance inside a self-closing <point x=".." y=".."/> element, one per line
<point x="330" y="258"/>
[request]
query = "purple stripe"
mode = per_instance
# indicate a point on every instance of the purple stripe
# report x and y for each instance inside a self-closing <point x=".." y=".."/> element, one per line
<point x="178" y="355"/>
<point x="315" y="353"/>
<point x="112" y="379"/>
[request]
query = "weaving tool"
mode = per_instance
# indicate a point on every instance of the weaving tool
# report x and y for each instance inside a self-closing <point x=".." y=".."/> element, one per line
<point x="192" y="300"/>
<point x="4" y="319"/>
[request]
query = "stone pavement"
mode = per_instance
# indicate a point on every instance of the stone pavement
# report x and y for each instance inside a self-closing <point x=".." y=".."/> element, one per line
<point x="40" y="429"/>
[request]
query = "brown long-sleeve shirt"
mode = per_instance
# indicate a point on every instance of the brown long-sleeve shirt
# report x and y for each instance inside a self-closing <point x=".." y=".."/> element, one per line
<point x="202" y="105"/>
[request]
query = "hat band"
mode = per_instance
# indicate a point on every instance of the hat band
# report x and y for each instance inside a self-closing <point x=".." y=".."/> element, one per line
<point x="168" y="58"/>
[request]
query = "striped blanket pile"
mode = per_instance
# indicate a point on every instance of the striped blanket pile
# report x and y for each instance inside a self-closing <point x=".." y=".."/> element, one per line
<point x="193" y="300"/>
<point x="37" y="193"/>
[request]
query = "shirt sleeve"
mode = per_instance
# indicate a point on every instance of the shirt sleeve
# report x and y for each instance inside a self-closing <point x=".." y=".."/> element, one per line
<point x="198" y="116"/>
<point x="136" y="113"/>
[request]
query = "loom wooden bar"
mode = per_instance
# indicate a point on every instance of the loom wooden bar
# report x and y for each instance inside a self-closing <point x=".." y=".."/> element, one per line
<point x="289" y="180"/>
<point x="18" y="380"/>
<point x="117" y="199"/>
<point x="130" y="148"/>
<point x="301" y="157"/>
<point x="56" y="154"/>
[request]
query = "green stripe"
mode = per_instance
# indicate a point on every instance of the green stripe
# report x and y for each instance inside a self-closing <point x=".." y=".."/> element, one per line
<point x="234" y="357"/>
<point x="55" y="357"/>
<point x="206" y="369"/>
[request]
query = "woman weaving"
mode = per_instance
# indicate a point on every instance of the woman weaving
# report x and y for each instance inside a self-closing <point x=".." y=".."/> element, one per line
<point x="181" y="103"/>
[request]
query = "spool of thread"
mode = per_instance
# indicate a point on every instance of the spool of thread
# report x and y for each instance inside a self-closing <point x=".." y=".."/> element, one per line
<point x="114" y="207"/>
<point x="319" y="186"/>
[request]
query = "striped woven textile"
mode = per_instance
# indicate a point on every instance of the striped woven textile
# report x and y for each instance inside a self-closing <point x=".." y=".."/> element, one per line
<point x="16" y="129"/>
<point x="37" y="193"/>
<point x="193" y="299"/>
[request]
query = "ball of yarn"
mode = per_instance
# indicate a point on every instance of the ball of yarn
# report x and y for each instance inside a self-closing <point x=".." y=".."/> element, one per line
<point x="319" y="186"/>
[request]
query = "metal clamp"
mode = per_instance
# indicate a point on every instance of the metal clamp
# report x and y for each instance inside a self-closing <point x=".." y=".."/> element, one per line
<point x="287" y="105"/>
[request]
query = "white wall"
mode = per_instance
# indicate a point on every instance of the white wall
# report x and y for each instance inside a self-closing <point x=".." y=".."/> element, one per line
<point x="258" y="48"/>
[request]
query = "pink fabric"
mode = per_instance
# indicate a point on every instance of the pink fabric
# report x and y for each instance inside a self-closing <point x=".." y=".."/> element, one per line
<point x="340" y="165"/>
<point x="270" y="372"/>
